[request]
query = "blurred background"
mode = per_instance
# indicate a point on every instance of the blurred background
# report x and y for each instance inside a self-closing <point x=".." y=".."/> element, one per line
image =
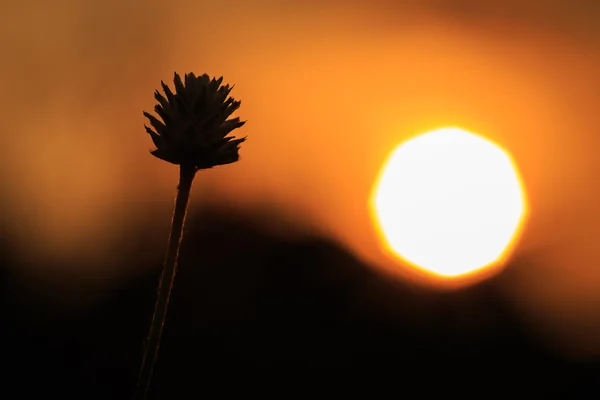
<point x="329" y="88"/>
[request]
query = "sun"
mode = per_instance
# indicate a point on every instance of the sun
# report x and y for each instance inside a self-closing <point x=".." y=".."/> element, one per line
<point x="449" y="202"/>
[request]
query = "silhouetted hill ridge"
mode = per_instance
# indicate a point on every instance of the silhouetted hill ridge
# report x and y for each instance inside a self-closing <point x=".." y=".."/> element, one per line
<point x="246" y="300"/>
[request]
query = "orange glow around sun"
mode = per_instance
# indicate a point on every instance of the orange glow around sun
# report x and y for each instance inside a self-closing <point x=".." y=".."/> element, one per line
<point x="449" y="202"/>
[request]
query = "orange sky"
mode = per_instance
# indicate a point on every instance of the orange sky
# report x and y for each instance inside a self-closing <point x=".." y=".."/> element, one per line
<point x="328" y="90"/>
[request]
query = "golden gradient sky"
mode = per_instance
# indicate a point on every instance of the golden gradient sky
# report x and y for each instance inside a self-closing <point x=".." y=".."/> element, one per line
<point x="328" y="89"/>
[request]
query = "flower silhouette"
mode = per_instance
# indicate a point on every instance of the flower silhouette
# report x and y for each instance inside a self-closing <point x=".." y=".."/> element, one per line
<point x="193" y="134"/>
<point x="195" y="123"/>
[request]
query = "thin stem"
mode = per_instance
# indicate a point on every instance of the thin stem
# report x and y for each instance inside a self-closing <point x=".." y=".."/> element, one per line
<point x="165" y="284"/>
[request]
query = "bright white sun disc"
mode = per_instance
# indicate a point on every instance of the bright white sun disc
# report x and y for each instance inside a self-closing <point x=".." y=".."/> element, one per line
<point x="449" y="202"/>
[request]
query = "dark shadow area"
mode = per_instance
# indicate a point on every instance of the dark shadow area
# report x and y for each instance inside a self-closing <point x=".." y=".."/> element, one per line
<point x="249" y="305"/>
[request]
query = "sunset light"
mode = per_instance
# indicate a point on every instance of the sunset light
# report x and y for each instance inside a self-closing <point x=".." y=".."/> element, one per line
<point x="192" y="191"/>
<point x="449" y="202"/>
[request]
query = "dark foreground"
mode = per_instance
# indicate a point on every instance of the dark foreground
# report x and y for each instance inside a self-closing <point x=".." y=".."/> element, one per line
<point x="252" y="312"/>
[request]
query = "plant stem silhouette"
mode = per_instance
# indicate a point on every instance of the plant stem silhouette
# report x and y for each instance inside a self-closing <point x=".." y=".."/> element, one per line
<point x="165" y="284"/>
<point x="192" y="132"/>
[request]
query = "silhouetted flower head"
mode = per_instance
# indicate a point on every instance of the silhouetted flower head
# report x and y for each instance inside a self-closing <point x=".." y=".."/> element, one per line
<point x="195" y="123"/>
